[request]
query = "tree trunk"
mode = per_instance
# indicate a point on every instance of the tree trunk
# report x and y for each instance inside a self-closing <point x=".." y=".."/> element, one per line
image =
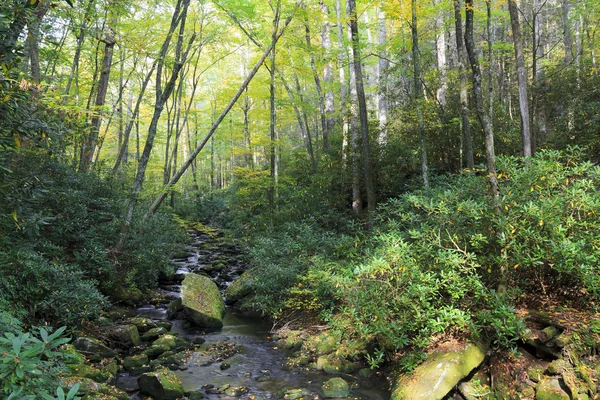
<point x="567" y="37"/>
<point x="87" y="151"/>
<point x="464" y="97"/>
<point x="327" y="78"/>
<point x="357" y="205"/>
<point x="273" y="117"/>
<point x="382" y="65"/>
<point x="343" y="94"/>
<point x="522" y="78"/>
<point x="362" y="108"/>
<point x="479" y="105"/>
<point x="122" y="156"/>
<point x="302" y="122"/>
<point x="79" y="46"/>
<point x="418" y="92"/>
<point x="313" y="67"/>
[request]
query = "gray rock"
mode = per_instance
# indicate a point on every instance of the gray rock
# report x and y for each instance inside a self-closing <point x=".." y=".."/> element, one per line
<point x="93" y="349"/>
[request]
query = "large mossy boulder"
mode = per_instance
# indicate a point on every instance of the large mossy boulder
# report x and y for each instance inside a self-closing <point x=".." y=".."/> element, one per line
<point x="202" y="302"/>
<point x="439" y="374"/>
<point x="93" y="349"/>
<point x="161" y="385"/>
<point x="336" y="387"/>
<point x="240" y="288"/>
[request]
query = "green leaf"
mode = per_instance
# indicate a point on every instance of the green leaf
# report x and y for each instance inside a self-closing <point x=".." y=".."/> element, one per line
<point x="73" y="391"/>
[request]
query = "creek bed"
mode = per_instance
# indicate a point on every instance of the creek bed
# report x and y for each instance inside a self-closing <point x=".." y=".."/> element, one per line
<point x="257" y="363"/>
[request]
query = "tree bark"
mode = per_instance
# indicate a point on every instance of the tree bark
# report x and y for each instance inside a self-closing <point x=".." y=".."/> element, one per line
<point x="479" y="105"/>
<point x="273" y="117"/>
<point x="363" y="116"/>
<point x="464" y="97"/>
<point x="357" y="205"/>
<point x="87" y="151"/>
<point x="327" y="78"/>
<point x="521" y="77"/>
<point x="343" y="94"/>
<point x="567" y="36"/>
<point x="382" y="65"/>
<point x="418" y="92"/>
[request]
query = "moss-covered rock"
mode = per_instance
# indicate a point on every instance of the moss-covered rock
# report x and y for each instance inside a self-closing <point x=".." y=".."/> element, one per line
<point x="135" y="362"/>
<point x="549" y="389"/>
<point x="335" y="366"/>
<point x="161" y="385"/>
<point x="92" y="348"/>
<point x="124" y="335"/>
<point x="202" y="301"/>
<point x="89" y="371"/>
<point x="174" y="308"/>
<point x="129" y="296"/>
<point x="336" y="387"/>
<point x="156" y="350"/>
<point x="154" y="334"/>
<point x="143" y="324"/>
<point x="240" y="288"/>
<point x="71" y="355"/>
<point x="439" y="373"/>
<point x="167" y="341"/>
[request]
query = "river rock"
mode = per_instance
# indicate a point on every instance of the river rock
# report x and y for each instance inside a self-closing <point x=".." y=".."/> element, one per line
<point x="154" y="334"/>
<point x="336" y="387"/>
<point x="125" y="335"/>
<point x="135" y="362"/>
<point x="174" y="308"/>
<point x="202" y="301"/>
<point x="334" y="366"/>
<point x="143" y="324"/>
<point x="549" y="389"/>
<point x="439" y="374"/>
<point x="93" y="349"/>
<point x="161" y="385"/>
<point x="241" y="288"/>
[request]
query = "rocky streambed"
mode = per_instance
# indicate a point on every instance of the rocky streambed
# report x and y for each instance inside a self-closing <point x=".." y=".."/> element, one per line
<point x="184" y="343"/>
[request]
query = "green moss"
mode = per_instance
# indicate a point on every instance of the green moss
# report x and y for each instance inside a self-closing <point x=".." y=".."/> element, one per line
<point x="202" y="301"/>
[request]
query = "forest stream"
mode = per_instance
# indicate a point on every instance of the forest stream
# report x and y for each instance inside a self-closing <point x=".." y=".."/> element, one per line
<point x="241" y="359"/>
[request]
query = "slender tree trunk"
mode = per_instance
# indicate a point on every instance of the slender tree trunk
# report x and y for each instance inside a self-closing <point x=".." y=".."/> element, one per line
<point x="567" y="37"/>
<point x="121" y="157"/>
<point x="418" y="92"/>
<point x="362" y="108"/>
<point x="464" y="97"/>
<point x="90" y="144"/>
<point x="522" y="78"/>
<point x="273" y="120"/>
<point x="343" y="94"/>
<point x="488" y="5"/>
<point x="79" y="46"/>
<point x="302" y="122"/>
<point x="357" y="205"/>
<point x="313" y="67"/>
<point x="382" y="65"/>
<point x="479" y="105"/>
<point x="327" y="77"/>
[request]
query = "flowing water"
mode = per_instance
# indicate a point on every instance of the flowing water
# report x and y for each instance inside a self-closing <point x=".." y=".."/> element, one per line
<point x="258" y="364"/>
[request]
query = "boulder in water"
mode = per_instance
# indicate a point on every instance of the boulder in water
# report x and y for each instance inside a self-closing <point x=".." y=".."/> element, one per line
<point x="202" y="302"/>
<point x="336" y="387"/>
<point x="439" y="374"/>
<point x="241" y="288"/>
<point x="161" y="385"/>
<point x="549" y="389"/>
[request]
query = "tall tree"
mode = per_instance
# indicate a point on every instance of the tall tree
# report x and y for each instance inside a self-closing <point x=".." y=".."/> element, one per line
<point x="362" y="108"/>
<point x="327" y="76"/>
<point x="521" y="77"/>
<point x="89" y="146"/>
<point x="382" y="66"/>
<point x="464" y="97"/>
<point x="484" y="119"/>
<point x="418" y="92"/>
